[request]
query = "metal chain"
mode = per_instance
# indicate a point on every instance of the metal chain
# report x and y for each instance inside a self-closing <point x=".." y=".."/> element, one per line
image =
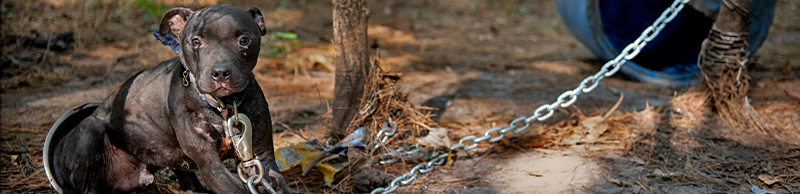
<point x="545" y="111"/>
<point x="251" y="185"/>
<point x="439" y="158"/>
<point x="243" y="144"/>
<point x="374" y="96"/>
<point x="395" y="155"/>
<point x="385" y="133"/>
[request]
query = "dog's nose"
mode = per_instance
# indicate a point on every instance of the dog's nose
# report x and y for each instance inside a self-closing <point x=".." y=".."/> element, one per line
<point x="221" y="73"/>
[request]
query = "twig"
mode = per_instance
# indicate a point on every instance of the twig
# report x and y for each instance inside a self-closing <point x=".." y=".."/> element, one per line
<point x="642" y="184"/>
<point x="614" y="108"/>
<point x="458" y="180"/>
<point x="327" y="104"/>
<point x="422" y="124"/>
<point x="340" y="182"/>
<point x="787" y="188"/>
<point x="46" y="51"/>
<point x="28" y="177"/>
<point x="575" y="171"/>
<point x="292" y="130"/>
<point x="587" y="188"/>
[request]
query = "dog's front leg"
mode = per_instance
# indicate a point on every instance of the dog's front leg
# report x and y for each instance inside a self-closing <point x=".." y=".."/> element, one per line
<point x="214" y="174"/>
<point x="197" y="141"/>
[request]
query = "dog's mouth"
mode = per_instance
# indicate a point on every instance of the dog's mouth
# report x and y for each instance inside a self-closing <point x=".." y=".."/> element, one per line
<point x="225" y="89"/>
<point x="221" y="92"/>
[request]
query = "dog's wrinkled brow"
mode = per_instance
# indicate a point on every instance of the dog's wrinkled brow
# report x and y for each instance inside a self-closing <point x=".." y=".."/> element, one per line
<point x="229" y="29"/>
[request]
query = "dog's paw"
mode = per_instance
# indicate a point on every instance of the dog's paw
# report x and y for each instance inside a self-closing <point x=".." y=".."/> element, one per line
<point x="145" y="178"/>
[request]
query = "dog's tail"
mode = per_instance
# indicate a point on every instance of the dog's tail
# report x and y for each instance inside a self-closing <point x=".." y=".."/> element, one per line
<point x="63" y="125"/>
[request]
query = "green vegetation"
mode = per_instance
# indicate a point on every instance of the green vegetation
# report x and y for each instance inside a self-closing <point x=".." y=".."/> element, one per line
<point x="283" y="42"/>
<point x="153" y="9"/>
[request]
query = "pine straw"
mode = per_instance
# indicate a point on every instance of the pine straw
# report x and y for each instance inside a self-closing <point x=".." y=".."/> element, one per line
<point x="691" y="109"/>
<point x="720" y="159"/>
<point x="382" y="99"/>
<point x="728" y="83"/>
<point x="14" y="177"/>
<point x="707" y="153"/>
<point x="720" y="163"/>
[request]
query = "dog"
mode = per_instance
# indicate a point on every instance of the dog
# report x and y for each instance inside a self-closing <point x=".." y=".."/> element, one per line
<point x="173" y="115"/>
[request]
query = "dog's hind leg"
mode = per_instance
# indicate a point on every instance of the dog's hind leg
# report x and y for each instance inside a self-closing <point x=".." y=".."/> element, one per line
<point x="79" y="158"/>
<point x="86" y="162"/>
<point x="123" y="170"/>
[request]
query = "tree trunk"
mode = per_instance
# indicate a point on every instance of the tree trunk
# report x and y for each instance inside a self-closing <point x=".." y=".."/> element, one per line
<point x="724" y="54"/>
<point x="352" y="61"/>
<point x="733" y="15"/>
<point x="724" y="57"/>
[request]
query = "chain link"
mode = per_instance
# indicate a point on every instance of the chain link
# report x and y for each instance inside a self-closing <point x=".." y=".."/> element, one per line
<point x="396" y="154"/>
<point x="546" y="111"/>
<point x="439" y="158"/>
<point x="251" y="185"/>
<point x="375" y="96"/>
<point x="385" y="133"/>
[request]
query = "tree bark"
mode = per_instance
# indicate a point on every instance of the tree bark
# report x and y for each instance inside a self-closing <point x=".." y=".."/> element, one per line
<point x="723" y="61"/>
<point x="733" y="15"/>
<point x="352" y="61"/>
<point x="725" y="51"/>
<point x="725" y="54"/>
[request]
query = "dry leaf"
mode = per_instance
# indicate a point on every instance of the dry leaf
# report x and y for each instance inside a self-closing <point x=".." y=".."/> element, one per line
<point x="688" y="164"/>
<point x="769" y="180"/>
<point x="595" y="126"/>
<point x="437" y="138"/>
<point x="319" y="60"/>
<point x="658" y="172"/>
<point x="14" y="159"/>
<point x="637" y="160"/>
<point x="613" y="180"/>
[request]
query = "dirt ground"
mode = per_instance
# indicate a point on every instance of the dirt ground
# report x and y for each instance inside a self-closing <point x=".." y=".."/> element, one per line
<point x="482" y="63"/>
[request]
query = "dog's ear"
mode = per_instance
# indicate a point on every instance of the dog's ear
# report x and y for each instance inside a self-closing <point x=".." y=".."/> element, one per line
<point x="256" y="13"/>
<point x="174" y="21"/>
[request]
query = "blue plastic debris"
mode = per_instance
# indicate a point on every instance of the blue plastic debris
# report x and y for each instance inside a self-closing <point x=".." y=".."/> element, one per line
<point x="759" y="190"/>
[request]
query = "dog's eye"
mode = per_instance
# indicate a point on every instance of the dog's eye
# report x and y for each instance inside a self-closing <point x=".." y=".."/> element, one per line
<point x="196" y="42"/>
<point x="244" y="41"/>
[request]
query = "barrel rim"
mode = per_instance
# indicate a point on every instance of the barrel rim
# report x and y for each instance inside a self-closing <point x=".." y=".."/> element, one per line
<point x="49" y="139"/>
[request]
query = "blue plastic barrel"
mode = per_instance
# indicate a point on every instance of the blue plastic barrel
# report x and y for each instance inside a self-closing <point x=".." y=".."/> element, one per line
<point x="606" y="26"/>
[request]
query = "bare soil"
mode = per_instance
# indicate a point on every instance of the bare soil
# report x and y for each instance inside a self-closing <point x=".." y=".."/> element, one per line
<point x="482" y="63"/>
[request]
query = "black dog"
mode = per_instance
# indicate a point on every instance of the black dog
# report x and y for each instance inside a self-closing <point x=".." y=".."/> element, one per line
<point x="173" y="115"/>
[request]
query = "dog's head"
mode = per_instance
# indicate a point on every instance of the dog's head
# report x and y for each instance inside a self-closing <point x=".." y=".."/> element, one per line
<point x="220" y="45"/>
